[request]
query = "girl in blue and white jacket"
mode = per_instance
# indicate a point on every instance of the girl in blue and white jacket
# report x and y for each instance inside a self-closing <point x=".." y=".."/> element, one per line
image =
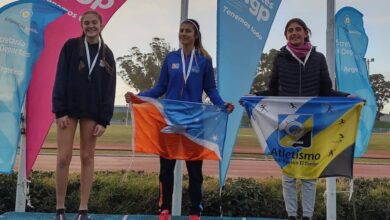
<point x="185" y="74"/>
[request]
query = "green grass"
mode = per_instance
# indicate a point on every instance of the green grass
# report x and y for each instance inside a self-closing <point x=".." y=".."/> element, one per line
<point x="382" y="124"/>
<point x="114" y="135"/>
<point x="121" y="135"/>
<point x="117" y="142"/>
<point x="379" y="142"/>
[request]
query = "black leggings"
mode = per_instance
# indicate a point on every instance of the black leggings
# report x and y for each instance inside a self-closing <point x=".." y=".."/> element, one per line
<point x="194" y="169"/>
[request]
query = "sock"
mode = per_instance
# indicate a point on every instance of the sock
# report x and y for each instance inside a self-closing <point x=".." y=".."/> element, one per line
<point x="85" y="212"/>
<point x="60" y="211"/>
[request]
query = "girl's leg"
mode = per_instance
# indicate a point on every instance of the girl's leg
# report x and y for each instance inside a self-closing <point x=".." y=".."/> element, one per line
<point x="309" y="188"/>
<point x="87" y="154"/>
<point x="195" y="185"/>
<point x="65" y="137"/>
<point x="166" y="183"/>
<point x="290" y="195"/>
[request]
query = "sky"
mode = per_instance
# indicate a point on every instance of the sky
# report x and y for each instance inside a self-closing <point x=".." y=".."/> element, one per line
<point x="138" y="21"/>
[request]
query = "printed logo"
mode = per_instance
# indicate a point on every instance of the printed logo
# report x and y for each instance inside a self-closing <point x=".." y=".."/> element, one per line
<point x="103" y="4"/>
<point x="101" y="63"/>
<point x="175" y="66"/>
<point x="260" y="9"/>
<point x="347" y="20"/>
<point x="26" y="13"/>
<point x="295" y="130"/>
<point x="195" y="69"/>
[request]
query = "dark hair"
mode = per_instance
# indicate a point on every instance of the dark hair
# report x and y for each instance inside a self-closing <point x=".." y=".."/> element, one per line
<point x="107" y="66"/>
<point x="198" y="37"/>
<point x="301" y="23"/>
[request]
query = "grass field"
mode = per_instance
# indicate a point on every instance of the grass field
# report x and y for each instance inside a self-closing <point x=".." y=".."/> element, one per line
<point x="121" y="135"/>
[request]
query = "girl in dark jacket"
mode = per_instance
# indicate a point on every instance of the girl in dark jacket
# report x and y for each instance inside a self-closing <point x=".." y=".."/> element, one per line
<point x="83" y="94"/>
<point x="299" y="70"/>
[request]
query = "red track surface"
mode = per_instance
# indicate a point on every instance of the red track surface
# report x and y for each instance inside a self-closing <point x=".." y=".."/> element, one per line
<point x="238" y="168"/>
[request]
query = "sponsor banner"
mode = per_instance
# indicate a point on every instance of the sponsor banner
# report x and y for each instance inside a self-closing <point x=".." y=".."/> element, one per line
<point x="351" y="70"/>
<point x="242" y="30"/>
<point x="22" y="26"/>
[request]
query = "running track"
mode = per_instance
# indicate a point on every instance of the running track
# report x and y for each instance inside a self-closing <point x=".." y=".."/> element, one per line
<point x="238" y="168"/>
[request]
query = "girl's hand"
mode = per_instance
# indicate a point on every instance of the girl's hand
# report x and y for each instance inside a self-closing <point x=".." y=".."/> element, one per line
<point x="128" y="96"/>
<point x="98" y="130"/>
<point x="229" y="107"/>
<point x="355" y="97"/>
<point x="63" y="122"/>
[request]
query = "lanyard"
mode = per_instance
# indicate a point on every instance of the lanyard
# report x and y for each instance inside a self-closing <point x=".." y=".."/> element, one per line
<point x="91" y="66"/>
<point x="185" y="76"/>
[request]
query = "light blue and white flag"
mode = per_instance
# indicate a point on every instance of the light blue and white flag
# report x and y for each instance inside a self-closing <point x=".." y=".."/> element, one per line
<point x="22" y="26"/>
<point x="177" y="129"/>
<point x="351" y="70"/>
<point x="242" y="30"/>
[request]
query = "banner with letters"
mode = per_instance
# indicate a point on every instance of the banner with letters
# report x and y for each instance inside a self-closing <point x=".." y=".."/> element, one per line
<point x="351" y="70"/>
<point x="309" y="137"/>
<point x="242" y="30"/>
<point x="22" y="26"/>
<point x="39" y="95"/>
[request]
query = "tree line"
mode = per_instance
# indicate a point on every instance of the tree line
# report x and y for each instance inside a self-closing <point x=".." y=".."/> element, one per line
<point x="141" y="71"/>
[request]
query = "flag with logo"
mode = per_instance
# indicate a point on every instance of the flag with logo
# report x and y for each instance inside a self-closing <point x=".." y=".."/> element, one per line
<point x="309" y="137"/>
<point x="177" y="129"/>
<point x="351" y="70"/>
<point x="22" y="27"/>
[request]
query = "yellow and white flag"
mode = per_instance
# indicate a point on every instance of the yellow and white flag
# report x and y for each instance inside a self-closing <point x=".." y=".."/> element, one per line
<point x="309" y="137"/>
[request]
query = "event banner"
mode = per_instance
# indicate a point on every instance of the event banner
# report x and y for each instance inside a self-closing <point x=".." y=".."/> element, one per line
<point x="309" y="137"/>
<point x="39" y="96"/>
<point x="22" y="26"/>
<point x="242" y="30"/>
<point x="177" y="129"/>
<point x="351" y="70"/>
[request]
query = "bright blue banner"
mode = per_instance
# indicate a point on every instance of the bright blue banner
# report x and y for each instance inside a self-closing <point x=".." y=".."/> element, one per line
<point x="22" y="26"/>
<point x="242" y="30"/>
<point x="351" y="70"/>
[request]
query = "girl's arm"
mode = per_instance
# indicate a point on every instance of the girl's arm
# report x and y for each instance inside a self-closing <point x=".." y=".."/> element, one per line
<point x="59" y="107"/>
<point x="161" y="87"/>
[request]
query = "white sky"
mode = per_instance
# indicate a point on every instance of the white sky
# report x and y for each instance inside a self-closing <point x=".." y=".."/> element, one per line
<point x="138" y="21"/>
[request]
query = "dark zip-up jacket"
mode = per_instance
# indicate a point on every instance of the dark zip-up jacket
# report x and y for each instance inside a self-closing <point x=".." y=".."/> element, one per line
<point x="79" y="96"/>
<point x="292" y="78"/>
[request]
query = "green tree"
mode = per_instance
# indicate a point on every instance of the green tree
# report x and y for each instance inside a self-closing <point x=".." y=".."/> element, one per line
<point x="141" y="70"/>
<point x="381" y="89"/>
<point x="263" y="72"/>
